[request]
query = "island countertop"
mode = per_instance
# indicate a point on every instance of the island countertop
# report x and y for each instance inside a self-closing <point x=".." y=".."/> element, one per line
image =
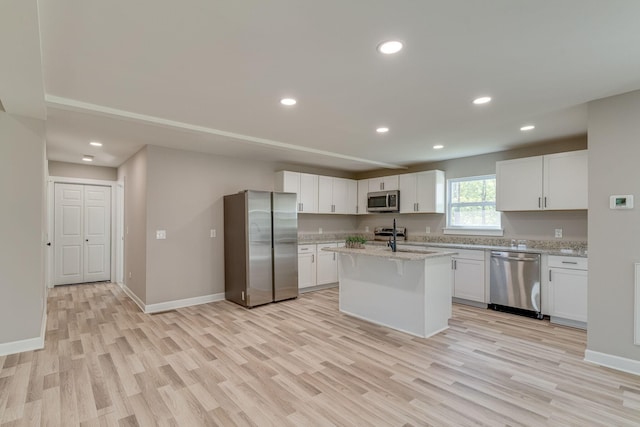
<point x="414" y="254"/>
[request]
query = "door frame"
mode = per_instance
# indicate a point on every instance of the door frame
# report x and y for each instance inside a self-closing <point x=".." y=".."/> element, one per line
<point x="116" y="250"/>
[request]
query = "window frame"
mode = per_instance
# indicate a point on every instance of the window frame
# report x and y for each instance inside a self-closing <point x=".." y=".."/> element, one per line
<point x="493" y="230"/>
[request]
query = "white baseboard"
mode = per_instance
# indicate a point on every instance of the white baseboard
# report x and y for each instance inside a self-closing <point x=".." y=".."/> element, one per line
<point x="615" y="362"/>
<point x="170" y="305"/>
<point x="30" y="344"/>
<point x="133" y="296"/>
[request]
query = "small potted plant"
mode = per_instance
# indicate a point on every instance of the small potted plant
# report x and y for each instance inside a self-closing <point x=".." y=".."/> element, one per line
<point x="355" y="242"/>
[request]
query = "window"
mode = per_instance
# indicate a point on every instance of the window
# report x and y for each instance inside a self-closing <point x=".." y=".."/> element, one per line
<point x="471" y="205"/>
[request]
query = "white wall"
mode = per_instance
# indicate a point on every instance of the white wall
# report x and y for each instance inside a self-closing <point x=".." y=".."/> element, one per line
<point x="22" y="190"/>
<point x="74" y="170"/>
<point x="614" y="235"/>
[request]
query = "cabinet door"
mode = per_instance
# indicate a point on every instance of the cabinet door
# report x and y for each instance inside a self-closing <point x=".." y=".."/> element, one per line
<point x="384" y="183"/>
<point x="327" y="268"/>
<point x="429" y="192"/>
<point x="325" y="194"/>
<point x="341" y="195"/>
<point x="306" y="270"/>
<point x="468" y="279"/>
<point x="363" y="190"/>
<point x="308" y="193"/>
<point x="408" y="188"/>
<point x="519" y="184"/>
<point x="352" y="197"/>
<point x="568" y="293"/>
<point x="289" y="182"/>
<point x="565" y="180"/>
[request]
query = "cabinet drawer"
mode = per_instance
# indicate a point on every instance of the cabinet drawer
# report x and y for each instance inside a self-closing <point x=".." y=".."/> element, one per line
<point x="306" y="249"/>
<point x="576" y="263"/>
<point x="469" y="254"/>
<point x="321" y="246"/>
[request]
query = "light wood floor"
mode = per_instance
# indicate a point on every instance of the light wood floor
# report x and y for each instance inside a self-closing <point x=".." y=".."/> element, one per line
<point x="299" y="363"/>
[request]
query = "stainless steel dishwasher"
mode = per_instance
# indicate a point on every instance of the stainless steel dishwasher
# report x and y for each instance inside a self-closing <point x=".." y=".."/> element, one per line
<point x="515" y="282"/>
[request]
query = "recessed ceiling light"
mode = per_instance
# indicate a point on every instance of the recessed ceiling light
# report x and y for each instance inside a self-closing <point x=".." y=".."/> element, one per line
<point x="438" y="147"/>
<point x="482" y="100"/>
<point x="288" y="101"/>
<point x="96" y="143"/>
<point x="382" y="129"/>
<point x="527" y="127"/>
<point x="87" y="158"/>
<point x="390" y="47"/>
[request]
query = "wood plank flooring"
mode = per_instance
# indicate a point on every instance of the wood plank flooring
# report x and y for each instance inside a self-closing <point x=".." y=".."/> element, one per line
<point x="301" y="363"/>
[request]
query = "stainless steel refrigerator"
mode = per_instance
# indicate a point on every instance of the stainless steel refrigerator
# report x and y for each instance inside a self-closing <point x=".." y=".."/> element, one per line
<point x="260" y="247"/>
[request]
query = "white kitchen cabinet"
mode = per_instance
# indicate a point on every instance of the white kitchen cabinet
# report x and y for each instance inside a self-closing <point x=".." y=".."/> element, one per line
<point x="469" y="275"/>
<point x="422" y="192"/>
<point x="568" y="290"/>
<point x="306" y="266"/>
<point x="550" y="182"/>
<point x="352" y="197"/>
<point x="327" y="268"/>
<point x="363" y="191"/>
<point x="334" y="195"/>
<point x="384" y="183"/>
<point x="304" y="185"/>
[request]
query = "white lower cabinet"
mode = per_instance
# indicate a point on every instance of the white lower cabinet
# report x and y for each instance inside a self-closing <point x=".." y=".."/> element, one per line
<point x="327" y="270"/>
<point x="469" y="275"/>
<point x="306" y="266"/>
<point x="568" y="290"/>
<point x="317" y="267"/>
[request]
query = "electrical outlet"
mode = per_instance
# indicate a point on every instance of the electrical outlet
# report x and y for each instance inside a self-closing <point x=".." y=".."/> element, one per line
<point x="366" y="229"/>
<point x="427" y="230"/>
<point x="320" y="230"/>
<point x="213" y="232"/>
<point x="558" y="233"/>
<point x="161" y="234"/>
<point x="129" y="275"/>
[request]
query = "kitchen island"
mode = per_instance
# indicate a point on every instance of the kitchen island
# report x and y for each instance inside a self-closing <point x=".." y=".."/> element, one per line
<point x="408" y="290"/>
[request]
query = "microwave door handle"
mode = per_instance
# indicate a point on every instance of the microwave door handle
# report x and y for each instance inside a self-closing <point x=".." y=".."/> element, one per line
<point x="388" y="200"/>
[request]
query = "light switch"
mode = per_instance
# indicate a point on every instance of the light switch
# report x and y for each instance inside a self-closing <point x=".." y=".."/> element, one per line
<point x="213" y="233"/>
<point x="161" y="234"/>
<point x="559" y="233"/>
<point x="427" y="230"/>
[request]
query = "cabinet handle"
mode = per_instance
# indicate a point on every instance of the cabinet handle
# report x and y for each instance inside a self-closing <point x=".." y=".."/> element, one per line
<point x="301" y="206"/>
<point x="549" y="275"/>
<point x="570" y="262"/>
<point x="334" y="256"/>
<point x="453" y="265"/>
<point x="417" y="207"/>
<point x="313" y="258"/>
<point x="539" y="202"/>
<point x="382" y="185"/>
<point x="545" y="202"/>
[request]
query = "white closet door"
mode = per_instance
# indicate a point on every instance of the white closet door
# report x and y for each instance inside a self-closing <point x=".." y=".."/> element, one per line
<point x="69" y="201"/>
<point x="82" y="230"/>
<point x="97" y="233"/>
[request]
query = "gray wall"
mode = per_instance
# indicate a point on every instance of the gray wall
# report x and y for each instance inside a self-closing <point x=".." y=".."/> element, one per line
<point x="185" y="197"/>
<point x="22" y="184"/>
<point x="518" y="225"/>
<point x="613" y="234"/>
<point x="74" y="170"/>
<point x="133" y="173"/>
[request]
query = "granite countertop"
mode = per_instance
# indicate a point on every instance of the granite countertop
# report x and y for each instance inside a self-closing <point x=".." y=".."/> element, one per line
<point x="417" y="254"/>
<point x="548" y="247"/>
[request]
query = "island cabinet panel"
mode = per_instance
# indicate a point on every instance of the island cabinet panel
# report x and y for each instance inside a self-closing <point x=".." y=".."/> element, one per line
<point x="413" y="296"/>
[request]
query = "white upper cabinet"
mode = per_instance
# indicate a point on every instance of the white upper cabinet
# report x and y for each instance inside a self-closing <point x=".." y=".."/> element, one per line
<point x="363" y="191"/>
<point x="384" y="183"/>
<point x="352" y="197"/>
<point x="422" y="192"/>
<point x="565" y="181"/>
<point x="334" y="195"/>
<point x="551" y="182"/>
<point x="304" y="185"/>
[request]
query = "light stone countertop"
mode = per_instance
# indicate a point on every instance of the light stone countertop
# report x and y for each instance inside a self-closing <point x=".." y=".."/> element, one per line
<point x="413" y="254"/>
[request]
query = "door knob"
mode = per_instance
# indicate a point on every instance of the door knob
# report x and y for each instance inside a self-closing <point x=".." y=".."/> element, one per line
<point x="86" y="240"/>
<point x="48" y="243"/>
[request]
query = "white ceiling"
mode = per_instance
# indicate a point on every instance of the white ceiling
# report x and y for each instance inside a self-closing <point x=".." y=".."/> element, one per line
<point x="208" y="75"/>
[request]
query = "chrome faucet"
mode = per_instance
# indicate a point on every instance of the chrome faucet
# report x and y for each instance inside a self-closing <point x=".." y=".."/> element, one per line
<point x="393" y="244"/>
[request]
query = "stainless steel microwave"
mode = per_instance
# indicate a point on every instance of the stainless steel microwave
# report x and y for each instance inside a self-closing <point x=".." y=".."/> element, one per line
<point x="383" y="201"/>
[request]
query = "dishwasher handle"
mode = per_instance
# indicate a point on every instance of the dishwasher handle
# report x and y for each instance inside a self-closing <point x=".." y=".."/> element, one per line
<point x="502" y="255"/>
